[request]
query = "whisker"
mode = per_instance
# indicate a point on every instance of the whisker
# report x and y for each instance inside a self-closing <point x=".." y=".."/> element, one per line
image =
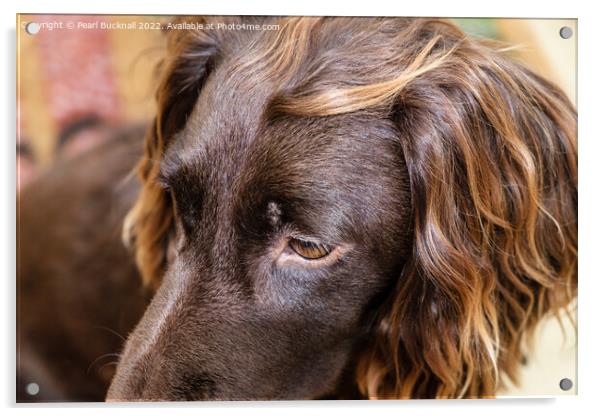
<point x="111" y="331"/>
<point x="100" y="358"/>
<point x="109" y="363"/>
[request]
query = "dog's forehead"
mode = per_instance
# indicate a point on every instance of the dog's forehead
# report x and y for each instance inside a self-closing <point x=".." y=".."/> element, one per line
<point x="253" y="67"/>
<point x="228" y="128"/>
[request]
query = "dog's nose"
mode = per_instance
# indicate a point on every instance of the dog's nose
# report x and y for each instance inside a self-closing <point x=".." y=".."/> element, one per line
<point x="195" y="386"/>
<point x="153" y="378"/>
<point x="129" y="382"/>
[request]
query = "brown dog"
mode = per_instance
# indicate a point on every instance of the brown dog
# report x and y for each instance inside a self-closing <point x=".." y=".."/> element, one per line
<point x="336" y="207"/>
<point x="78" y="291"/>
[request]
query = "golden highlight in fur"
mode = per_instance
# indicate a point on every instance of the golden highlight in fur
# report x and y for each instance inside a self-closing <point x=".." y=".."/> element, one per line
<point x="491" y="150"/>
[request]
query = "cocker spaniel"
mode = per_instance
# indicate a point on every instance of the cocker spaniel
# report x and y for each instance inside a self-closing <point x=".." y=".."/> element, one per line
<point x="335" y="208"/>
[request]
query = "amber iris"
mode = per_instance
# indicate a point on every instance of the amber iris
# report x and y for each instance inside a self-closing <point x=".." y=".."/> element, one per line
<point x="309" y="250"/>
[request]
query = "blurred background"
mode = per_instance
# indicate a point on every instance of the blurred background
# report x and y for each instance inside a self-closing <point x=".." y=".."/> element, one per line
<point x="74" y="85"/>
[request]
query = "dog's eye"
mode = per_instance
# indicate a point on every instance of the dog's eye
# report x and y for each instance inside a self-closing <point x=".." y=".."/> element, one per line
<point x="309" y="250"/>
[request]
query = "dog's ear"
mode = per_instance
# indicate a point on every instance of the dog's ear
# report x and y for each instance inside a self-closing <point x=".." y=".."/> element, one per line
<point x="492" y="157"/>
<point x="191" y="55"/>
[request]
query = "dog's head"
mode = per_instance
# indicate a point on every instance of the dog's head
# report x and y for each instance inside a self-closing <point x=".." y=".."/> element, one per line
<point x="337" y="204"/>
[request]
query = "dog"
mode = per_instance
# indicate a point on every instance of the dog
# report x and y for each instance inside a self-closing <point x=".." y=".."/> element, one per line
<point x="331" y="208"/>
<point x="78" y="289"/>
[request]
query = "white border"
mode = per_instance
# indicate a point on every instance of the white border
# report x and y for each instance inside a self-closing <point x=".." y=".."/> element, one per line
<point x="589" y="98"/>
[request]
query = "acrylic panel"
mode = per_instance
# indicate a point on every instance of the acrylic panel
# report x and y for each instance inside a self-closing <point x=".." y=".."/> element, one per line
<point x="291" y="208"/>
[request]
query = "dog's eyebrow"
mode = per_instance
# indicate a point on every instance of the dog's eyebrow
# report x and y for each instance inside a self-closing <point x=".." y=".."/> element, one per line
<point x="173" y="162"/>
<point x="274" y="213"/>
<point x="168" y="170"/>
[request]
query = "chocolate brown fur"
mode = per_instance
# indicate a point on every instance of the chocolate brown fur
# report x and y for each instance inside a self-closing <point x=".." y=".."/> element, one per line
<point x="443" y="171"/>
<point x="78" y="289"/>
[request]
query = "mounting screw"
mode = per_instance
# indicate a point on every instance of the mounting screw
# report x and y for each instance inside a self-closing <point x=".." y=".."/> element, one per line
<point x="32" y="389"/>
<point x="566" y="32"/>
<point x="32" y="28"/>
<point x="566" y="384"/>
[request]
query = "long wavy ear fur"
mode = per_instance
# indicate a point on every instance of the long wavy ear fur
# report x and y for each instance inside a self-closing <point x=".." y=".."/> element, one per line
<point x="491" y="150"/>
